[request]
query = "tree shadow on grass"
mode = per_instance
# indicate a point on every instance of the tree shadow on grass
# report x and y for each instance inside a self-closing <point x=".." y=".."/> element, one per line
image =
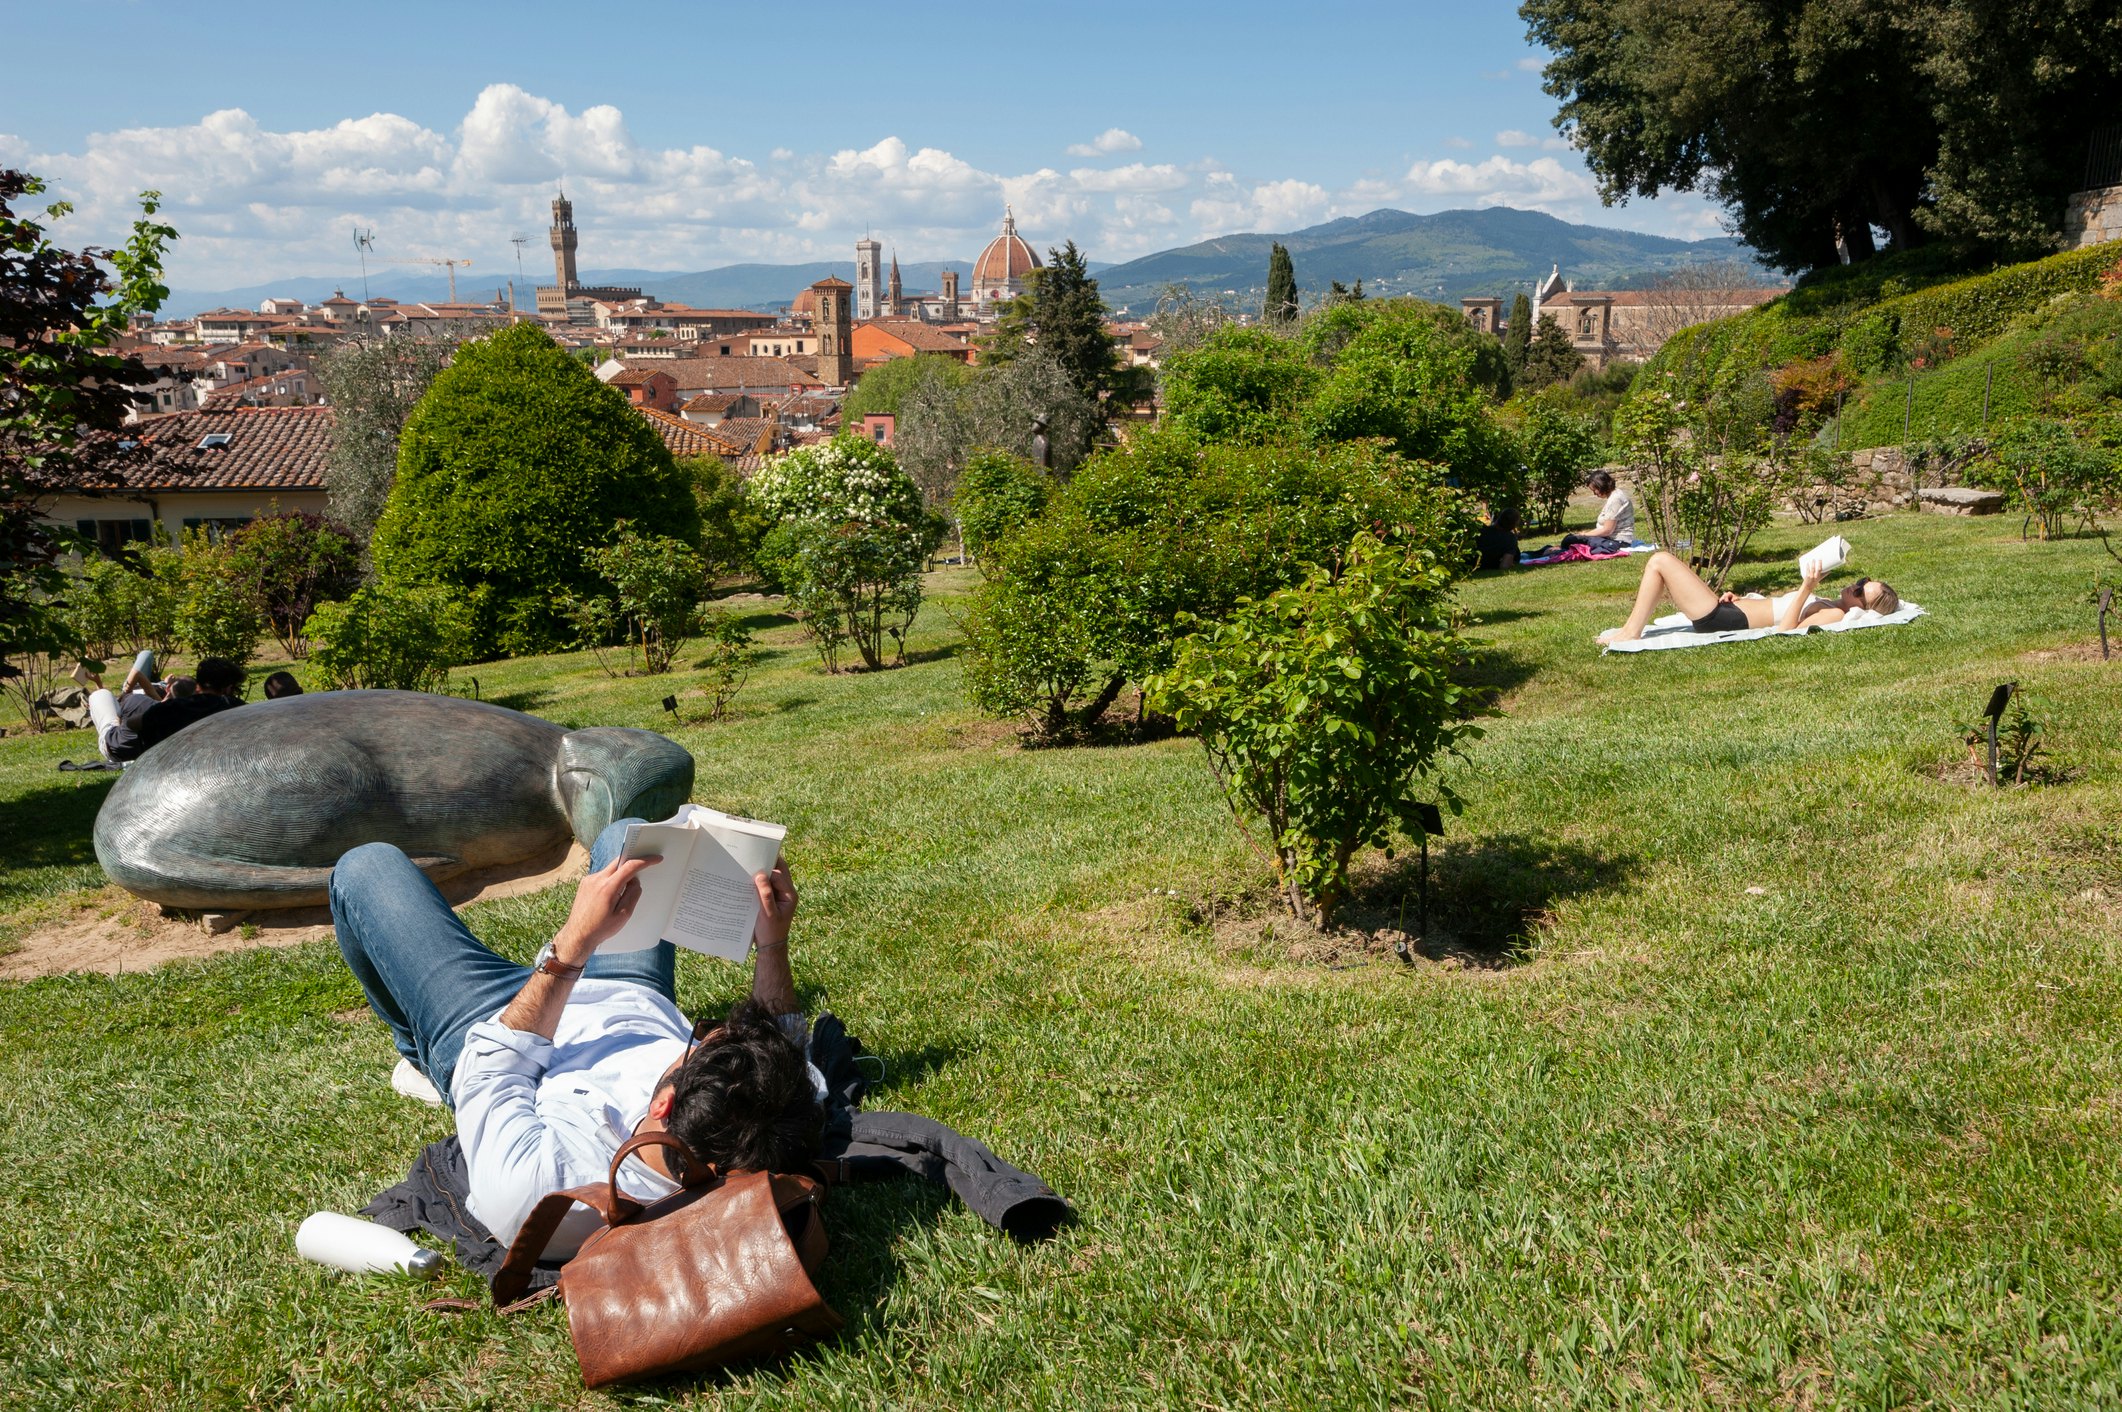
<point x="1494" y="671"/>
<point x="1496" y="617"/>
<point x="1487" y="896"/>
<point x="51" y="827"/>
<point x="530" y="700"/>
<point x="934" y="654"/>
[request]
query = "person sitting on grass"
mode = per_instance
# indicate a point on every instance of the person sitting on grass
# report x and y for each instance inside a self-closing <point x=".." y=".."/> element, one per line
<point x="281" y="684"/>
<point x="128" y="727"/>
<point x="1496" y="544"/>
<point x="552" y="1067"/>
<point x="1665" y="576"/>
<point x="1616" y="529"/>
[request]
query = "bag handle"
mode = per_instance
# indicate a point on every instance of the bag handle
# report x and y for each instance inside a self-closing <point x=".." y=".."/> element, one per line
<point x="513" y="1278"/>
<point x="687" y="1163"/>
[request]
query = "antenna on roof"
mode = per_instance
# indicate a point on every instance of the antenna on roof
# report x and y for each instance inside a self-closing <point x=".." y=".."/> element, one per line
<point x="519" y="241"/>
<point x="364" y="241"/>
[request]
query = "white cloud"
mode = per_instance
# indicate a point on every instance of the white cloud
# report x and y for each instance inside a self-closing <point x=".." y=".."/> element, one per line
<point x="1458" y="143"/>
<point x="1512" y="137"/>
<point x="1135" y="176"/>
<point x="1531" y="64"/>
<point x="1106" y="143"/>
<point x="1269" y="206"/>
<point x="1540" y="184"/>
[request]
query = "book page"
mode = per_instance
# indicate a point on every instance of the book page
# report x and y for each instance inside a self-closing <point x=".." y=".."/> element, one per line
<point x="673" y="840"/>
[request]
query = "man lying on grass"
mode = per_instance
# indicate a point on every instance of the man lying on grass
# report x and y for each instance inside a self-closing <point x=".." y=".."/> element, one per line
<point x="552" y="1067"/>
<point x="1667" y="576"/>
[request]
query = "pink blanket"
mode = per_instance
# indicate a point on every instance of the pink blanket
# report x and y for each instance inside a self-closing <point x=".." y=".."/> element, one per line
<point x="1575" y="554"/>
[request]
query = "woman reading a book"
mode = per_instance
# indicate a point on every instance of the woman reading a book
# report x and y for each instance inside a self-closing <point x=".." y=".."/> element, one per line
<point x="552" y="1067"/>
<point x="1666" y="576"/>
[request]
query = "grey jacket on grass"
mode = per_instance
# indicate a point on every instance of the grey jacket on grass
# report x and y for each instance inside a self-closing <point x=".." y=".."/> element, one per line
<point x="857" y="1147"/>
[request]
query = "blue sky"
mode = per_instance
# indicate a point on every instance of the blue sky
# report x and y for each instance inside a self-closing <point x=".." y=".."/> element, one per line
<point x="697" y="135"/>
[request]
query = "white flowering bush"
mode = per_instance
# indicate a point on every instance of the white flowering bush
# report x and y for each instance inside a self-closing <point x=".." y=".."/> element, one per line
<point x="848" y="542"/>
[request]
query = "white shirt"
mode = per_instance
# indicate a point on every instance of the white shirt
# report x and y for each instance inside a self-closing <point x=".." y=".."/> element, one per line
<point x="538" y="1115"/>
<point x="1622" y="511"/>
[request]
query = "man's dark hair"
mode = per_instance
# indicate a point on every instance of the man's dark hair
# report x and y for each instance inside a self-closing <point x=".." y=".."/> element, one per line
<point x="218" y="675"/>
<point x="177" y="688"/>
<point x="1603" y="482"/>
<point x="744" y="1100"/>
<point x="281" y="684"/>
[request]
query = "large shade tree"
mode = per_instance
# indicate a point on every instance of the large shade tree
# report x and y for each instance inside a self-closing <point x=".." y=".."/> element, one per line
<point x="1815" y="122"/>
<point x="515" y="465"/>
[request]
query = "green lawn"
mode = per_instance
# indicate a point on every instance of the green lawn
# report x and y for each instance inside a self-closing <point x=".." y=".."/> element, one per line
<point x="1846" y="1140"/>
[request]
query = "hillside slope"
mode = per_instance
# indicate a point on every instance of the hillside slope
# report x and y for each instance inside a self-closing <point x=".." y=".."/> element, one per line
<point x="1445" y="256"/>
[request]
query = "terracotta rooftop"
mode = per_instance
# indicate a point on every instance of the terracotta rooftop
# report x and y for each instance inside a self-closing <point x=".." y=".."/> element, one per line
<point x="275" y="448"/>
<point x="751" y="374"/>
<point x="710" y="402"/>
<point x="637" y="377"/>
<point x="921" y="337"/>
<point x="686" y="438"/>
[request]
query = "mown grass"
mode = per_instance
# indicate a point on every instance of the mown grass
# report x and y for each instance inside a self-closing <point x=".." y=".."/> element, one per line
<point x="1798" y="1086"/>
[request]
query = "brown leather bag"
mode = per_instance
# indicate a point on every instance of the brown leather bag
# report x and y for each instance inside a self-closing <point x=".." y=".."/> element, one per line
<point x="716" y="1272"/>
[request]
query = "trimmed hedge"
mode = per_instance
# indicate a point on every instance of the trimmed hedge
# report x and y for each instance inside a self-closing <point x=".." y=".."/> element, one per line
<point x="515" y="464"/>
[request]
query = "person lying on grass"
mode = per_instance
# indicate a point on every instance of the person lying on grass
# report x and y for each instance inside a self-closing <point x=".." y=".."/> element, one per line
<point x="1666" y="576"/>
<point x="552" y="1067"/>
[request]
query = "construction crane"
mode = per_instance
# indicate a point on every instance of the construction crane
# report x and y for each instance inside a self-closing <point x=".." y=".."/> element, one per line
<point x="452" y="264"/>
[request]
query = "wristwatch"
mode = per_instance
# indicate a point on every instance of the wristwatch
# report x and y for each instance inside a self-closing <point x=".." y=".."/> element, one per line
<point x="550" y="964"/>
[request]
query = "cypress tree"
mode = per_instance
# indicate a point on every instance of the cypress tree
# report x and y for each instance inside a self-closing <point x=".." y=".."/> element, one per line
<point x="1281" y="305"/>
<point x="1518" y="335"/>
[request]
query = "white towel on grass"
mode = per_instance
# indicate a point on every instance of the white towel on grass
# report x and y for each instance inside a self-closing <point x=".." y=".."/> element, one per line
<point x="1674" y="630"/>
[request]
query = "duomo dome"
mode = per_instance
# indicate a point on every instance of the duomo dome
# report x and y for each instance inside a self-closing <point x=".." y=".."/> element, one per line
<point x="1000" y="271"/>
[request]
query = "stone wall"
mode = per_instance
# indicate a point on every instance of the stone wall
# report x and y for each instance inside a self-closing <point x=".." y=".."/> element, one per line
<point x="2090" y="217"/>
<point x="1880" y="481"/>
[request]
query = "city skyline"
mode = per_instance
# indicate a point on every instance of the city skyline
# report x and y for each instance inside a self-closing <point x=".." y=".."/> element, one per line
<point x="446" y="149"/>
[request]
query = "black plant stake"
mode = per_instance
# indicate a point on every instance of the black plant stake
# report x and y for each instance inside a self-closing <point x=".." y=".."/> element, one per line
<point x="2107" y="597"/>
<point x="1431" y="818"/>
<point x="1998" y="700"/>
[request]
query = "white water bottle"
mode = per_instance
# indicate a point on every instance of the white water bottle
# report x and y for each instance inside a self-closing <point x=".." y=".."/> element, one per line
<point x="362" y="1247"/>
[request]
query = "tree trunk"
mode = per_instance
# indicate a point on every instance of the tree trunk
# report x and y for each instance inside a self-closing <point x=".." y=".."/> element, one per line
<point x="1105" y="698"/>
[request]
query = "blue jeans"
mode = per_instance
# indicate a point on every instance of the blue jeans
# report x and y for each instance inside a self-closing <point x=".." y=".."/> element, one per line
<point x="426" y="975"/>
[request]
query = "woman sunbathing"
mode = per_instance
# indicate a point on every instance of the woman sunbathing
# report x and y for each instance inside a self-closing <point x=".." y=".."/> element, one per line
<point x="1665" y="576"/>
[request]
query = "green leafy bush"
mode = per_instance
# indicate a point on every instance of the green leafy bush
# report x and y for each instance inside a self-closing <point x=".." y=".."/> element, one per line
<point x="726" y="660"/>
<point x="1085" y="599"/>
<point x="294" y="560"/>
<point x="1704" y="500"/>
<point x="1325" y="709"/>
<point x="1559" y="447"/>
<point x="657" y="584"/>
<point x="730" y="525"/>
<point x="514" y="466"/>
<point x="1043" y="639"/>
<point x="397" y="638"/>
<point x="220" y="611"/>
<point x="116" y="608"/>
<point x="1239" y="384"/>
<point x="997" y="494"/>
<point x="2048" y="473"/>
<point x="848" y="545"/>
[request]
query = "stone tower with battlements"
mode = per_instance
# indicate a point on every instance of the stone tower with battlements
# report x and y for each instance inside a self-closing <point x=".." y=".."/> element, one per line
<point x="564" y="242"/>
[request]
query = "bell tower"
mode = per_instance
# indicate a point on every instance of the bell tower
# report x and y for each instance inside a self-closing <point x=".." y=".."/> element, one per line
<point x="836" y="362"/>
<point x="564" y="242"/>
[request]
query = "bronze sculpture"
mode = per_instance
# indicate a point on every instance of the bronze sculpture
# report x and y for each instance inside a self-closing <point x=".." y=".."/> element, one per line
<point x="250" y="808"/>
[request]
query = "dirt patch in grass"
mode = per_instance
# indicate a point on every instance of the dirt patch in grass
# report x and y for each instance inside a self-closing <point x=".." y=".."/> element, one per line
<point x="1967" y="773"/>
<point x="111" y="931"/>
<point x="2087" y="651"/>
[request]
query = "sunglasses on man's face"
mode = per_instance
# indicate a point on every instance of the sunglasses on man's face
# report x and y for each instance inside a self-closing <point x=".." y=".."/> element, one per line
<point x="1858" y="588"/>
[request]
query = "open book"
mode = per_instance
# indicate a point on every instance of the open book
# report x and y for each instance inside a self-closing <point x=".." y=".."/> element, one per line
<point x="701" y="895"/>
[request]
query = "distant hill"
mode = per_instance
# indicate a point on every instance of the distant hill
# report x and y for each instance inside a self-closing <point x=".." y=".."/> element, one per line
<point x="1446" y="257"/>
<point x="1443" y="256"/>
